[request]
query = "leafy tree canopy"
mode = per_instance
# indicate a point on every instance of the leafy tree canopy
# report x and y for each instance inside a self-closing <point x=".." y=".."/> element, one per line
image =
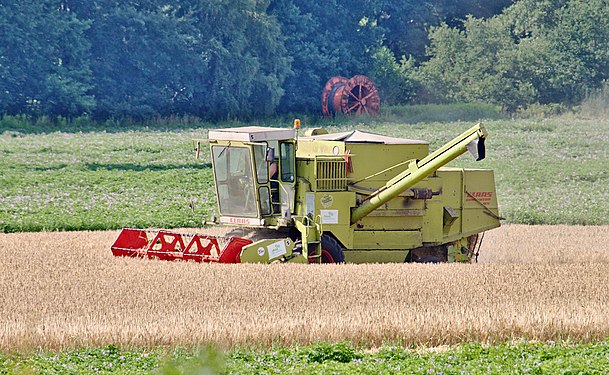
<point x="535" y="52"/>
<point x="220" y="59"/>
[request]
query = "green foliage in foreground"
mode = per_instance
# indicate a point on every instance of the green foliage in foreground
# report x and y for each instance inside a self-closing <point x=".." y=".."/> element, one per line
<point x="322" y="358"/>
<point x="547" y="172"/>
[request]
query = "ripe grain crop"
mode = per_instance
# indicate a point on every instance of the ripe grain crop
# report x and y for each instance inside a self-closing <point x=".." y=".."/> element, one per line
<point x="546" y="244"/>
<point x="66" y="290"/>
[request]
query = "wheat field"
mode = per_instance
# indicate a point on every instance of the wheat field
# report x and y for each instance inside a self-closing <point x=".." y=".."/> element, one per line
<point x="64" y="290"/>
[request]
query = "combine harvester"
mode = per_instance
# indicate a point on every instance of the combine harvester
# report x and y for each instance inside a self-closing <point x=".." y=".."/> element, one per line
<point x="330" y="198"/>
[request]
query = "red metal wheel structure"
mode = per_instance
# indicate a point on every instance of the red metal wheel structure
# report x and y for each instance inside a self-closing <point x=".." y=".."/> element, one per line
<point x="329" y="99"/>
<point x="350" y="97"/>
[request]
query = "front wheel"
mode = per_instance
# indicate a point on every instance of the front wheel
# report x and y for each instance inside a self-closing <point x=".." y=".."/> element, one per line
<point x="331" y="251"/>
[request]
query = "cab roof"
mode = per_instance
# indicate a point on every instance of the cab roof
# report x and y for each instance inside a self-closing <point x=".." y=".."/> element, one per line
<point x="252" y="134"/>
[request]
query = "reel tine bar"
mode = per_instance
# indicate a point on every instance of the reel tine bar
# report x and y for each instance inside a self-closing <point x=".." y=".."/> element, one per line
<point x="131" y="243"/>
<point x="166" y="246"/>
<point x="202" y="252"/>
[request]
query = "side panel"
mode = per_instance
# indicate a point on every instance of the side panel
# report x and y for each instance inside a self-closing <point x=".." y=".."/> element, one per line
<point x="386" y="239"/>
<point x="369" y="159"/>
<point x="467" y="205"/>
<point x="375" y="256"/>
<point x="333" y="211"/>
<point x="480" y="206"/>
<point x="452" y="199"/>
<point x="433" y="228"/>
<point x="471" y="194"/>
<point x="398" y="214"/>
<point x="464" y="203"/>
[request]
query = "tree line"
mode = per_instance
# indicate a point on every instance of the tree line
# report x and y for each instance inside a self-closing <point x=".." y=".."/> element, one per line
<point x="223" y="59"/>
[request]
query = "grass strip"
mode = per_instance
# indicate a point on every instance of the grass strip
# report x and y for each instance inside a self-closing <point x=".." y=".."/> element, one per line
<point x="321" y="358"/>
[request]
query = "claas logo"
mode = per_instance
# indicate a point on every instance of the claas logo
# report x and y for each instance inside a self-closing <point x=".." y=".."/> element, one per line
<point x="482" y="196"/>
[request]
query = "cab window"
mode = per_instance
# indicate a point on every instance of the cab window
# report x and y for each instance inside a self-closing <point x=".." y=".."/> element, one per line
<point x="262" y="167"/>
<point x="234" y="181"/>
<point x="287" y="162"/>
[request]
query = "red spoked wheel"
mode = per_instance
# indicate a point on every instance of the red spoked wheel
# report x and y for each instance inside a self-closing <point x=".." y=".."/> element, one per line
<point x="355" y="96"/>
<point x="360" y="96"/>
<point x="329" y="100"/>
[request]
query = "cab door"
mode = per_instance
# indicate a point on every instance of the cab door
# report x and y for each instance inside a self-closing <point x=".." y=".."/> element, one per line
<point x="263" y="181"/>
<point x="287" y="177"/>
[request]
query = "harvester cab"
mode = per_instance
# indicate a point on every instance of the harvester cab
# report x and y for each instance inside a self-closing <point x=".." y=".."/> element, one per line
<point x="323" y="198"/>
<point x="254" y="174"/>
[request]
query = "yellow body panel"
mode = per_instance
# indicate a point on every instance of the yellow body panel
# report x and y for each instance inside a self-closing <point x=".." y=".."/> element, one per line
<point x="267" y="251"/>
<point x="386" y="239"/>
<point x="375" y="256"/>
<point x="370" y="158"/>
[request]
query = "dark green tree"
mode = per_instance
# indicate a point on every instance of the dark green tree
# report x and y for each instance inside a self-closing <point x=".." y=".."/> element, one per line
<point x="141" y="58"/>
<point x="470" y="65"/>
<point x="244" y="56"/>
<point x="44" y="59"/>
<point x="206" y="58"/>
<point x="581" y="41"/>
<point x="393" y="78"/>
<point x="406" y="24"/>
<point x="323" y="39"/>
<point x="302" y="86"/>
<point x="267" y="45"/>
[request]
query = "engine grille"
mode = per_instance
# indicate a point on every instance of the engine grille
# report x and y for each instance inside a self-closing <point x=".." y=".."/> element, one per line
<point x="331" y="175"/>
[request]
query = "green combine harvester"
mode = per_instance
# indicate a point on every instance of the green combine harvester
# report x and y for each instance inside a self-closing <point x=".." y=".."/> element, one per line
<point x="351" y="197"/>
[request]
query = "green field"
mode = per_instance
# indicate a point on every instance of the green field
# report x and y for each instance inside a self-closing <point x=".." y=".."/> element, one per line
<point x="322" y="358"/>
<point x="547" y="172"/>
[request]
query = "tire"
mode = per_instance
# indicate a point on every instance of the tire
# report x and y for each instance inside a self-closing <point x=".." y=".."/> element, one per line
<point x="331" y="251"/>
<point x="428" y="254"/>
<point x="429" y="259"/>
